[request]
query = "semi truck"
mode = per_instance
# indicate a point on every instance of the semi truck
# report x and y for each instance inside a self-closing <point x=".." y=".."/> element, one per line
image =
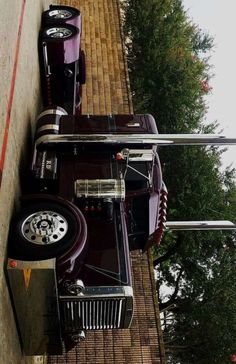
<point x="90" y="203"/>
<point x="96" y="192"/>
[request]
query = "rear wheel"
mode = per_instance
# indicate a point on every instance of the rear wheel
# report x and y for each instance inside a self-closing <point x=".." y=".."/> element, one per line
<point x="59" y="32"/>
<point x="61" y="14"/>
<point x="42" y="230"/>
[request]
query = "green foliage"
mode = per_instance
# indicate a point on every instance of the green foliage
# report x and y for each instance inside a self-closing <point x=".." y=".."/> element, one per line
<point x="168" y="59"/>
<point x="204" y="327"/>
<point x="166" y="63"/>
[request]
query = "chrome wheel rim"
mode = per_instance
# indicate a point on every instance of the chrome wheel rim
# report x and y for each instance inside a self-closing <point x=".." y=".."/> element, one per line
<point x="44" y="227"/>
<point x="60" y="14"/>
<point x="59" y="32"/>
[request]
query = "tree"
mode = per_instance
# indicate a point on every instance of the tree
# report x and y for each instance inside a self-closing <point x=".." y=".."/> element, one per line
<point x="168" y="59"/>
<point x="166" y="63"/>
<point x="204" y="327"/>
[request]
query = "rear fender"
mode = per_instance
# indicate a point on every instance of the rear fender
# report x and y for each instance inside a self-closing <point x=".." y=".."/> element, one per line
<point x="75" y="20"/>
<point x="61" y="51"/>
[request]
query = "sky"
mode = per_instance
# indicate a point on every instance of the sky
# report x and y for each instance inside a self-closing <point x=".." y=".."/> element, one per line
<point x="217" y="17"/>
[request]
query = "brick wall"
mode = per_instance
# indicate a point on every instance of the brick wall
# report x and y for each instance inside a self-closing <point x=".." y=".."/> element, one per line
<point x="107" y="87"/>
<point x="107" y="90"/>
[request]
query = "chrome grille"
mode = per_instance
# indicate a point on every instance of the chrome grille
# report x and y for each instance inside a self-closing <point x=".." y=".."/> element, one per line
<point x="89" y="314"/>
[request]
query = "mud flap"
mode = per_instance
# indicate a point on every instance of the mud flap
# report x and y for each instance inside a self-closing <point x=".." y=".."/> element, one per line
<point x="34" y="297"/>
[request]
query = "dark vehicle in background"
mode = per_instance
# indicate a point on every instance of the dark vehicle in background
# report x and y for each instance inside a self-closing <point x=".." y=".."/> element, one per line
<point x="61" y="57"/>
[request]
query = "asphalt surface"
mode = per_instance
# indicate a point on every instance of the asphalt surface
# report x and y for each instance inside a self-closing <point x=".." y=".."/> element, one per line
<point x="20" y="102"/>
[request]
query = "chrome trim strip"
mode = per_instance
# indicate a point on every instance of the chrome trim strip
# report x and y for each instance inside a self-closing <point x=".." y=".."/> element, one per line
<point x="34" y="158"/>
<point x="103" y="291"/>
<point x="133" y="124"/>
<point x="128" y="291"/>
<point x="48" y="127"/>
<point x="105" y="314"/>
<point x="111" y="315"/>
<point x="120" y="311"/>
<point x="101" y="311"/>
<point x="45" y="60"/>
<point x="57" y="111"/>
<point x="97" y="296"/>
<point x="115" y="314"/>
<point x="97" y="314"/>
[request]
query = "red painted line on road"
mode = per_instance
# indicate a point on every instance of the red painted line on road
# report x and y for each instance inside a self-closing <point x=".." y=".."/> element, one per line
<point x="11" y="93"/>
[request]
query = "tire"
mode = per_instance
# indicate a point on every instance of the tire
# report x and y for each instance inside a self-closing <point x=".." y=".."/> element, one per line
<point x="59" y="32"/>
<point x="42" y="230"/>
<point x="60" y="14"/>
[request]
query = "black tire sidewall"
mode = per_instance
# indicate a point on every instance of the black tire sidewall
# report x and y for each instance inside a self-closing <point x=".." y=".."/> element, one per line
<point x="21" y="248"/>
<point x="59" y="20"/>
<point x="45" y="36"/>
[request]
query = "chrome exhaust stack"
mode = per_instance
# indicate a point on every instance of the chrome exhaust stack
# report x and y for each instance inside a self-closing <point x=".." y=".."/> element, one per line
<point x="200" y="225"/>
<point x="139" y="139"/>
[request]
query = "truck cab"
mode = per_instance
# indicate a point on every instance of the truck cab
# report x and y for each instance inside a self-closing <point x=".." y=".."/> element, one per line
<point x="89" y="204"/>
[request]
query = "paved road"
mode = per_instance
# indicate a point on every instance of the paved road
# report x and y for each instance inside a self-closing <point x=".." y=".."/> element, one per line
<point x="19" y="104"/>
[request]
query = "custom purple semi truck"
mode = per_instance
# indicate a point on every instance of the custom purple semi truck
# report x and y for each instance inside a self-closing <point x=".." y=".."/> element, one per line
<point x="90" y="203"/>
<point x="96" y="192"/>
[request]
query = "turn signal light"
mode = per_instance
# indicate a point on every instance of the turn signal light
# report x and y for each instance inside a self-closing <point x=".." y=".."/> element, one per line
<point x="13" y="263"/>
<point x="119" y="156"/>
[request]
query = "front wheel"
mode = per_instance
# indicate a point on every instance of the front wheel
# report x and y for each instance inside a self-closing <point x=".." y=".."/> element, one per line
<point x="43" y="230"/>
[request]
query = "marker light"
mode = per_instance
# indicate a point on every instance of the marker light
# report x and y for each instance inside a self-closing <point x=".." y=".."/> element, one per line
<point x="119" y="156"/>
<point x="13" y="263"/>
